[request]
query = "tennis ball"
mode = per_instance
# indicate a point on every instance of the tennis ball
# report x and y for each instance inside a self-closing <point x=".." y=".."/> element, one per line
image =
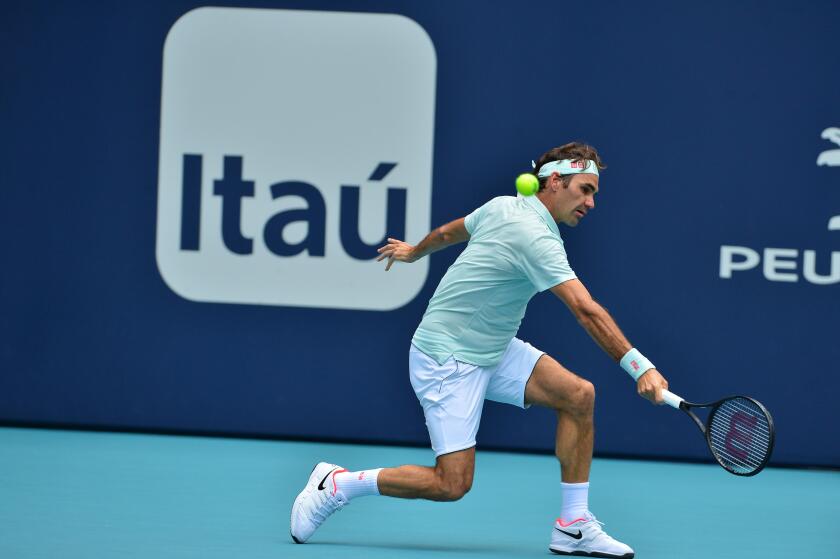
<point x="527" y="184"/>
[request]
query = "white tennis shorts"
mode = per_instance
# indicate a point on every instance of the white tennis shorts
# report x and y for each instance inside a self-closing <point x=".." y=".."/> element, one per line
<point x="453" y="394"/>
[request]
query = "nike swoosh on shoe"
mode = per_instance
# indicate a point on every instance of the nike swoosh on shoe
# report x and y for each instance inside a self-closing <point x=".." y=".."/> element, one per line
<point x="575" y="536"/>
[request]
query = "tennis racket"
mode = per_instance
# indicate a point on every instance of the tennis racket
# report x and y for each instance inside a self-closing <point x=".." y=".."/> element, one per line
<point x="739" y="431"/>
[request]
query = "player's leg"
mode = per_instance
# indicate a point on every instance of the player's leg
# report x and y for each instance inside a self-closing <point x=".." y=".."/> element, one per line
<point x="452" y="396"/>
<point x="449" y="480"/>
<point x="577" y="531"/>
<point x="331" y="487"/>
<point x="527" y="376"/>
<point x="573" y="399"/>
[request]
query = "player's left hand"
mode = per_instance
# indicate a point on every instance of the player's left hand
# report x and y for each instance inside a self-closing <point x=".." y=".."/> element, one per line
<point x="396" y="250"/>
<point x="650" y="386"/>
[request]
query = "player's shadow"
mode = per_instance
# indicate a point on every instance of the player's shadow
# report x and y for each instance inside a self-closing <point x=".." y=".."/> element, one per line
<point x="419" y="546"/>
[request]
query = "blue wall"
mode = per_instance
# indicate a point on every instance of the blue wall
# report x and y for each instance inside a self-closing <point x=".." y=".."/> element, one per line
<point x="710" y="119"/>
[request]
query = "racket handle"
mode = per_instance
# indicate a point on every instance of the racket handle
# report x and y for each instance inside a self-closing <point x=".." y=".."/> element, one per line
<point x="671" y="399"/>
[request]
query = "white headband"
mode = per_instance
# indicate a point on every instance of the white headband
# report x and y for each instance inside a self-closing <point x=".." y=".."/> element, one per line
<point x="567" y="167"/>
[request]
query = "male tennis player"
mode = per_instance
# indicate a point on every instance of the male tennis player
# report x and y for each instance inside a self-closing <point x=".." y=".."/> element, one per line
<point x="465" y="351"/>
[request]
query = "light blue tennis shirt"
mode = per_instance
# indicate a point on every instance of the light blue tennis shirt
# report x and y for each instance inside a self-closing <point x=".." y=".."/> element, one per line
<point x="514" y="252"/>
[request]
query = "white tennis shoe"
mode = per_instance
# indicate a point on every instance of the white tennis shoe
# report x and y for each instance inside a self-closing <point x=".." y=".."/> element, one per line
<point x="586" y="537"/>
<point x="318" y="500"/>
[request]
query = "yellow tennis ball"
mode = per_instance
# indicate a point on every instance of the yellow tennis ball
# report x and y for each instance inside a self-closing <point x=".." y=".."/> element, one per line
<point x="527" y="184"/>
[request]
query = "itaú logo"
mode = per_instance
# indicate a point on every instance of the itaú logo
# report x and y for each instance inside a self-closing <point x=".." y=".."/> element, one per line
<point x="790" y="264"/>
<point x="292" y="143"/>
<point x="234" y="192"/>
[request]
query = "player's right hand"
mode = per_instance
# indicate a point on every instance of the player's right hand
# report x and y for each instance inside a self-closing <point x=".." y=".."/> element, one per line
<point x="650" y="386"/>
<point x="396" y="250"/>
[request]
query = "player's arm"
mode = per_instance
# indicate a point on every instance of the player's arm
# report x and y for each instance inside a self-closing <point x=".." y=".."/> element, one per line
<point x="449" y="234"/>
<point x="600" y="325"/>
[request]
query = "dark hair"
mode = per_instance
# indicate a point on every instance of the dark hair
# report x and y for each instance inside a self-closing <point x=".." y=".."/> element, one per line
<point x="576" y="151"/>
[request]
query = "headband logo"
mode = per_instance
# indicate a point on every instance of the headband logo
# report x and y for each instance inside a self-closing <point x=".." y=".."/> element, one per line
<point x="578" y="165"/>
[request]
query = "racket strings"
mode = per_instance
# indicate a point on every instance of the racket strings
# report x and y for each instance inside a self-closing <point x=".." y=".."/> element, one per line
<point x="740" y="435"/>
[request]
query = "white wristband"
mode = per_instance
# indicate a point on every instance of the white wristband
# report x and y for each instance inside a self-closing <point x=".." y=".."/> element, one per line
<point x="635" y="363"/>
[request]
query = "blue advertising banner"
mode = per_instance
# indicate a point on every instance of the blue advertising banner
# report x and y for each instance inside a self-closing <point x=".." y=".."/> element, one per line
<point x="192" y="198"/>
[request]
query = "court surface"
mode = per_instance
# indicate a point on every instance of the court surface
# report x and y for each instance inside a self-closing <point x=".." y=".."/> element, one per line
<point x="66" y="494"/>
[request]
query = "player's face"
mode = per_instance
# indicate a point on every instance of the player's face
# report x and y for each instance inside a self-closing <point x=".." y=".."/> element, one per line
<point x="573" y="202"/>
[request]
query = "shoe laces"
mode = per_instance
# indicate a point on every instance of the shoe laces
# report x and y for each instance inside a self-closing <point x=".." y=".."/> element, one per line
<point x="340" y="501"/>
<point x="590" y="516"/>
<point x="597" y="527"/>
<point x="332" y="504"/>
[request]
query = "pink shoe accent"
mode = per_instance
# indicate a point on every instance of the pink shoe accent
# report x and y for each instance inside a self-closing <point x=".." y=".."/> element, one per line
<point x="564" y="524"/>
<point x="335" y="486"/>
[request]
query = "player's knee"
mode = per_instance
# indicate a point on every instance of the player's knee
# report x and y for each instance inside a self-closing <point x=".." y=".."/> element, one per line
<point x="584" y="398"/>
<point x="455" y="490"/>
<point x="453" y="487"/>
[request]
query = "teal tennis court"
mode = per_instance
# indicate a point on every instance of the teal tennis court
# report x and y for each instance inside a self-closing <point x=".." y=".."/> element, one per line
<point x="90" y="495"/>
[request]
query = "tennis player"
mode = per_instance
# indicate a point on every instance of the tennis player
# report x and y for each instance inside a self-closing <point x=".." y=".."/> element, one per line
<point x="466" y="350"/>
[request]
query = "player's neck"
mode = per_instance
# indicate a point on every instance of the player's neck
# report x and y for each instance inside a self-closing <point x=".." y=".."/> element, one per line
<point x="547" y="199"/>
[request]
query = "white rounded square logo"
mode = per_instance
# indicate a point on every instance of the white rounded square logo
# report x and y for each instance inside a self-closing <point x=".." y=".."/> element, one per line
<point x="292" y="144"/>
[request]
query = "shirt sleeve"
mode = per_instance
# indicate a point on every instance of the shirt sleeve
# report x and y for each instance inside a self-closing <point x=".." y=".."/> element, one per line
<point x="488" y="211"/>
<point x="471" y="221"/>
<point x="544" y="262"/>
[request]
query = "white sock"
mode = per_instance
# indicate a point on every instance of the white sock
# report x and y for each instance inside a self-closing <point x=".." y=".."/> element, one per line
<point x="575" y="500"/>
<point x="358" y="484"/>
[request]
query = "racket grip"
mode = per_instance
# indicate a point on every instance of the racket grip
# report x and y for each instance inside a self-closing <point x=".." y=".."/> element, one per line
<point x="671" y="399"/>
